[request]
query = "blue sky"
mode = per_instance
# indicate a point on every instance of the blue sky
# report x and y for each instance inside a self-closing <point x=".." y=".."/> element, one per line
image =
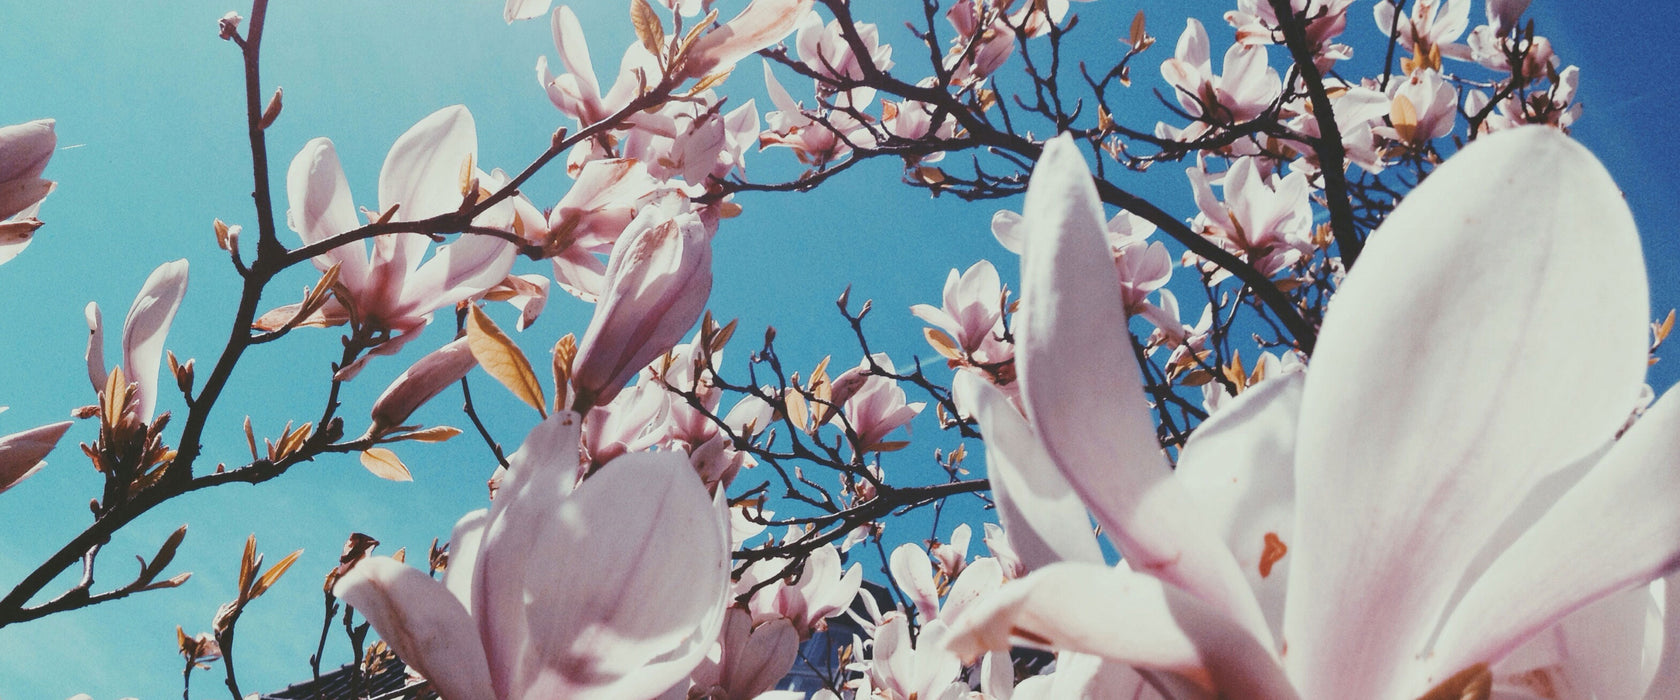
<point x="150" y="110"/>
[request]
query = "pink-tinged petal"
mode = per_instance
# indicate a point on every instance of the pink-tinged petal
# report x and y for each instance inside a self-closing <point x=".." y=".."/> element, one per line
<point x="17" y="196"/>
<point x="977" y="580"/>
<point x="320" y="207"/>
<point x="540" y="474"/>
<point x="658" y="280"/>
<point x="465" y="268"/>
<point x="1598" y="651"/>
<point x="1084" y="398"/>
<point x="626" y="609"/>
<point x="146" y="328"/>
<point x="581" y="274"/>
<point x="464" y="541"/>
<point x="1667" y="677"/>
<point x="1239" y="466"/>
<point x="571" y="43"/>
<point x="763" y="23"/>
<point x="1618" y="527"/>
<point x="1006" y="228"/>
<point x="422" y="173"/>
<point x="97" y="374"/>
<point x="763" y="660"/>
<point x="913" y="573"/>
<point x="25" y="149"/>
<point x="427" y="378"/>
<point x="21" y="453"/>
<point x="1125" y="617"/>
<point x="1045" y="519"/>
<point x="1503" y="14"/>
<point x="423" y="623"/>
<point x="516" y="10"/>
<point x="1429" y="416"/>
<point x="1086" y="677"/>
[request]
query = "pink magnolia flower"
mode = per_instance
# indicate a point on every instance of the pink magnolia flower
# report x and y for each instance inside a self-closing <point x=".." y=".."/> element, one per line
<point x="24" y="152"/>
<point x="422" y="382"/>
<point x="1433" y="104"/>
<point x="540" y="599"/>
<point x="874" y="405"/>
<point x="901" y="669"/>
<point x="391" y="289"/>
<point x="1142" y="266"/>
<point x="657" y="283"/>
<point x="591" y="217"/>
<point x="1257" y="25"/>
<point x="760" y="25"/>
<point x="972" y="311"/>
<point x="819" y="591"/>
<point x="576" y="93"/>
<point x="144" y="330"/>
<point x="1431" y="25"/>
<point x="23" y="454"/>
<point x="1442" y="487"/>
<point x="748" y="659"/>
<point x="1264" y="219"/>
<point x="1504" y="14"/>
<point x="814" y="142"/>
<point x="826" y="52"/>
<point x="1246" y="89"/>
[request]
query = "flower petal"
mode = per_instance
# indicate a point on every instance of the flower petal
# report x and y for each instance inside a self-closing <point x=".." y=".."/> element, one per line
<point x="422" y="174"/>
<point x="464" y="542"/>
<point x="320" y="207"/>
<point x="1045" y="519"/>
<point x="1084" y="398"/>
<point x="1452" y="374"/>
<point x="1239" y="467"/>
<point x="1618" y="527"/>
<point x="146" y="328"/>
<point x="1126" y="617"/>
<point x="21" y="453"/>
<point x="423" y="622"/>
<point x="762" y="23"/>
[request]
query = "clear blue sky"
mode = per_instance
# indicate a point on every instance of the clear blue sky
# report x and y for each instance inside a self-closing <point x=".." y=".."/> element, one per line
<point x="150" y="117"/>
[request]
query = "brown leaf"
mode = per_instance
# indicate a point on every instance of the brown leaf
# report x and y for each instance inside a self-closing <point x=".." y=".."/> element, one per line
<point x="385" y="465"/>
<point x="274" y="573"/>
<point x="499" y="356"/>
<point x="440" y="433"/>
<point x="648" y="26"/>
<point x="942" y="343"/>
<point x="565" y="350"/>
<point x="1404" y="116"/>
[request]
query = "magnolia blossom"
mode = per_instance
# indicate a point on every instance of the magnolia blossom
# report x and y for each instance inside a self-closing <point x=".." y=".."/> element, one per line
<point x="1443" y="489"/>
<point x="657" y="283"/>
<point x="144" y="330"/>
<point x="1256" y="24"/>
<point x="24" y="152"/>
<point x="825" y="51"/>
<point x="1246" y="89"/>
<point x="748" y="659"/>
<point x="576" y="93"/>
<point x="814" y="142"/>
<point x="391" y="289"/>
<point x="1265" y="219"/>
<point x="612" y="588"/>
<point x="760" y="25"/>
<point x="22" y="454"/>
<point x="1424" y="108"/>
<point x="1433" y="25"/>
<point x="972" y="311"/>
<point x="874" y="405"/>
<point x="422" y="382"/>
<point x="819" y="591"/>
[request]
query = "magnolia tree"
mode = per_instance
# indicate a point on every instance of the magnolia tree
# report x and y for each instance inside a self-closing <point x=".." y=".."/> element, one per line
<point x="1453" y="482"/>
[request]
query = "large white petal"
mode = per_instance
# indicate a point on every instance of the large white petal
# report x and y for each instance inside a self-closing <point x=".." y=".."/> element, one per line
<point x="1618" y="527"/>
<point x="422" y="174"/>
<point x="320" y="207"/>
<point x="464" y="542"/>
<point x="1493" y="331"/>
<point x="1240" y="467"/>
<point x="1084" y="397"/>
<point x="423" y="622"/>
<point x="1045" y="519"/>
<point x="147" y="326"/>
<point x="1125" y="617"/>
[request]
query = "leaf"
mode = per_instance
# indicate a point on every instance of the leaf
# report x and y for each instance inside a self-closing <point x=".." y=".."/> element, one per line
<point x="440" y="433"/>
<point x="165" y="554"/>
<point x="1139" y="38"/>
<point x="648" y="27"/>
<point x="942" y="343"/>
<point x="797" y="412"/>
<point x="385" y="465"/>
<point x="274" y="573"/>
<point x="497" y="354"/>
<point x="248" y="564"/>
<point x="565" y="350"/>
<point x="890" y="446"/>
<point x="1405" y="117"/>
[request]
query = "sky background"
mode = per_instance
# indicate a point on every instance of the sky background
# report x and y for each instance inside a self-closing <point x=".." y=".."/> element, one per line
<point x="150" y="116"/>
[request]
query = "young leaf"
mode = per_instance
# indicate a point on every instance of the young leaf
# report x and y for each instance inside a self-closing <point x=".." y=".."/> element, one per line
<point x="274" y="573"/>
<point x="648" y="27"/>
<point x="385" y="465"/>
<point x="498" y="355"/>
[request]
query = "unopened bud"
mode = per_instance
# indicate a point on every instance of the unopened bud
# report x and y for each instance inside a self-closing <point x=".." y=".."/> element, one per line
<point x="272" y="111"/>
<point x="229" y="25"/>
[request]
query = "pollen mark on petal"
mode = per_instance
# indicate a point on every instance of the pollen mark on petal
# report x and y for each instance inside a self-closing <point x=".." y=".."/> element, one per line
<point x="1274" y="549"/>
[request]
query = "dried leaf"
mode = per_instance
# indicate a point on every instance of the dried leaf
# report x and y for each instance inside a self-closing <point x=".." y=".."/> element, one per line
<point x="440" y="433"/>
<point x="385" y="465"/>
<point x="798" y="413"/>
<point x="1139" y="37"/>
<point x="274" y="573"/>
<point x="250" y="438"/>
<point x="942" y="343"/>
<point x="248" y="564"/>
<point x="1404" y="116"/>
<point x="499" y="356"/>
<point x="272" y="111"/>
<point x="165" y="554"/>
<point x="565" y="350"/>
<point x="890" y="446"/>
<point x="648" y="26"/>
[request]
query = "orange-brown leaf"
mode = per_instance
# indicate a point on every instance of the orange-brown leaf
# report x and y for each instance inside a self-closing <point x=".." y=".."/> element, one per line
<point x="385" y="465"/>
<point x="499" y="356"/>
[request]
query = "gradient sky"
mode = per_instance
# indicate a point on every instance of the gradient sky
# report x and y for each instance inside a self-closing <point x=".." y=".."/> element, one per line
<point x="151" y="127"/>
